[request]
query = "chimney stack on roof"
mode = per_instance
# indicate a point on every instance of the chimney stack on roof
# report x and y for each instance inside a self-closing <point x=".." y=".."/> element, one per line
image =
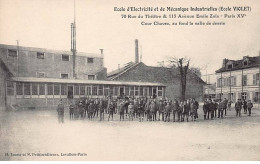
<point x="136" y="51"/>
<point x="101" y="51"/>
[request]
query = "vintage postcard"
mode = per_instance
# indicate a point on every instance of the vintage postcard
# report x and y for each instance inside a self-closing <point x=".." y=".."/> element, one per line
<point x="140" y="80"/>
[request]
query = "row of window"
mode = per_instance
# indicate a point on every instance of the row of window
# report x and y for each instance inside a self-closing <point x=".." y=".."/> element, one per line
<point x="95" y="90"/>
<point x="41" y="55"/>
<point x="235" y="96"/>
<point x="231" y="81"/>
<point x="62" y="75"/>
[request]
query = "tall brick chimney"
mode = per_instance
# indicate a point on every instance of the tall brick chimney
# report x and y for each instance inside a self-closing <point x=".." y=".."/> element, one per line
<point x="136" y="51"/>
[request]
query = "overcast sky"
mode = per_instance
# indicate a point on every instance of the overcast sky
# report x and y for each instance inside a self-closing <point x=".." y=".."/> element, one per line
<point x="46" y="24"/>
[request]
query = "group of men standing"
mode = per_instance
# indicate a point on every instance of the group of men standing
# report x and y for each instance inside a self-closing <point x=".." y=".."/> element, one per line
<point x="214" y="108"/>
<point x="151" y="109"/>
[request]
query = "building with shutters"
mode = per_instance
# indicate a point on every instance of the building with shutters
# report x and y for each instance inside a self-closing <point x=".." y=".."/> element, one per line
<point x="239" y="79"/>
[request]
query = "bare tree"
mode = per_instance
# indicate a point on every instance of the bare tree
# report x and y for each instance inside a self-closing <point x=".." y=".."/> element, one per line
<point x="183" y="66"/>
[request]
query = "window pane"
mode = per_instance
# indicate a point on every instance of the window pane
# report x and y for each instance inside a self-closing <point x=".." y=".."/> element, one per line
<point x="41" y="89"/>
<point x="82" y="90"/>
<point x="88" y="90"/>
<point x="100" y="90"/>
<point x="65" y="57"/>
<point x="63" y="89"/>
<point x="76" y="90"/>
<point x="141" y="91"/>
<point x="56" y="89"/>
<point x="136" y="91"/>
<point x="127" y="91"/>
<point x="91" y="77"/>
<point x="90" y="60"/>
<point x="27" y="89"/>
<point x="132" y="89"/>
<point x="50" y="89"/>
<point x="40" y="55"/>
<point x="64" y="76"/>
<point x="34" y="89"/>
<point x="12" y="53"/>
<point x="19" y="88"/>
<point x="94" y="90"/>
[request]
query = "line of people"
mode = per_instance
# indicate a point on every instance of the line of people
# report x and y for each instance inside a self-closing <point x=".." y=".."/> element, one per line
<point x="151" y="109"/>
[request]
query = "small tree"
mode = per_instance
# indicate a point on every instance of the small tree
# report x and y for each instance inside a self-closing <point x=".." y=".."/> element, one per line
<point x="183" y="66"/>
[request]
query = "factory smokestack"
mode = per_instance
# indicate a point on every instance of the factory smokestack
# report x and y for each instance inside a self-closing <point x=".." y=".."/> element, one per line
<point x="136" y="51"/>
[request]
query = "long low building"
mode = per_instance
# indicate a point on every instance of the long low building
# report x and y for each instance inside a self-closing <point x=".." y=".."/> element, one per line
<point x="33" y="92"/>
<point x="36" y="77"/>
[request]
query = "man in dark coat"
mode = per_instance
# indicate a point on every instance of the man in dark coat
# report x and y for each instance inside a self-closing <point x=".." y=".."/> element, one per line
<point x="60" y="110"/>
<point x="249" y="106"/>
<point x="71" y="107"/>
<point x="238" y="107"/>
<point x="245" y="106"/>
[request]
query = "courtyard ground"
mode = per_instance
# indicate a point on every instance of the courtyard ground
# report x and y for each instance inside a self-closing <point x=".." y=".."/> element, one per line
<point x="30" y="134"/>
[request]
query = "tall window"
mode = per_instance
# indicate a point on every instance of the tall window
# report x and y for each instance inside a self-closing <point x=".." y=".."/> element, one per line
<point x="63" y="89"/>
<point x="132" y="91"/>
<point x="256" y="79"/>
<point x="56" y="89"/>
<point x="244" y="80"/>
<point x="136" y="91"/>
<point x="65" y="57"/>
<point x="106" y="90"/>
<point x="100" y="90"/>
<point x="50" y="89"/>
<point x="76" y="90"/>
<point x="141" y="91"/>
<point x="94" y="90"/>
<point x="34" y="89"/>
<point x="88" y="90"/>
<point x="160" y="91"/>
<point x="41" y="89"/>
<point x="10" y="88"/>
<point x="40" y="55"/>
<point x="126" y="91"/>
<point x="19" y="88"/>
<point x="82" y="90"/>
<point x="27" y="89"/>
<point x="12" y="53"/>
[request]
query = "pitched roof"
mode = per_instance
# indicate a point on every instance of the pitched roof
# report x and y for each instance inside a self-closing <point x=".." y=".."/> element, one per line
<point x="160" y="74"/>
<point x="239" y="64"/>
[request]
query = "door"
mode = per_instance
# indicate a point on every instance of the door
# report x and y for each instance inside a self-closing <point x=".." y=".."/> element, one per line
<point x="70" y="92"/>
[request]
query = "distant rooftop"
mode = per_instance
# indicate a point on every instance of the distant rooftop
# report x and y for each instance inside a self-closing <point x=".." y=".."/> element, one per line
<point x="34" y="49"/>
<point x="246" y="62"/>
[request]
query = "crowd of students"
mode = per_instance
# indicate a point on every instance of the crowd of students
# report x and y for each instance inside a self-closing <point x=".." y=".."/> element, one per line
<point x="149" y="109"/>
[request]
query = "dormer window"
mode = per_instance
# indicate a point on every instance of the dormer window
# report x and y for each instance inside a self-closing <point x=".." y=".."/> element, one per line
<point x="245" y="63"/>
<point x="230" y="66"/>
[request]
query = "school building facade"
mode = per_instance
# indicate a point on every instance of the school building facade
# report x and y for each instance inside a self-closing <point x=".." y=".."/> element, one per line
<point x="239" y="79"/>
